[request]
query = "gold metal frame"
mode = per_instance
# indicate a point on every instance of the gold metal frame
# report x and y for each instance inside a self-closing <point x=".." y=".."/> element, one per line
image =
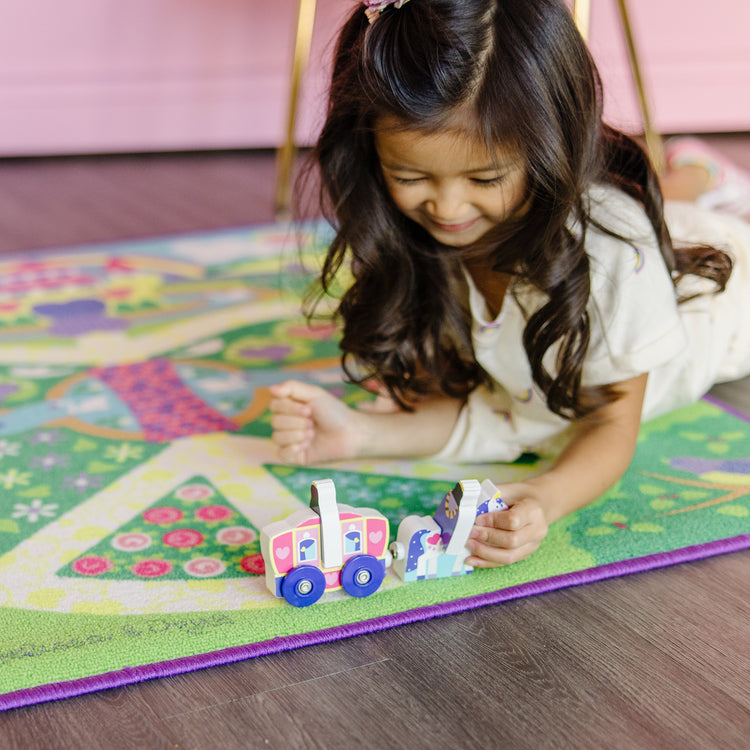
<point x="285" y="154"/>
<point x="654" y="143"/>
<point x="582" y="16"/>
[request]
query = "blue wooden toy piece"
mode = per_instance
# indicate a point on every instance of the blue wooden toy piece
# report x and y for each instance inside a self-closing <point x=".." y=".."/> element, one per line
<point x="490" y="499"/>
<point x="435" y="547"/>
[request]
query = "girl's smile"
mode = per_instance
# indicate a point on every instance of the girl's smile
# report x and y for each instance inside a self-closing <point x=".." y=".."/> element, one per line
<point x="448" y="182"/>
<point x="455" y="227"/>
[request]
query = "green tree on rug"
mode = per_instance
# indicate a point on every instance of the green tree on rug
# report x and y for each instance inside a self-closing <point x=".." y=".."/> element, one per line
<point x="192" y="532"/>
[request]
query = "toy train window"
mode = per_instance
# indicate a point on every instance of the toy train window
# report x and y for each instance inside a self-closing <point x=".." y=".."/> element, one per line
<point x="307" y="550"/>
<point x="352" y="542"/>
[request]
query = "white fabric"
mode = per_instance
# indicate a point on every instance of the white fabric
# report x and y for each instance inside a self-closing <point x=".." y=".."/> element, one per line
<point x="636" y="327"/>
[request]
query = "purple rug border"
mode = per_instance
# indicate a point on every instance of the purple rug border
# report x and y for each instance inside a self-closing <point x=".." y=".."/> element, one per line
<point x="726" y="407"/>
<point x="183" y="665"/>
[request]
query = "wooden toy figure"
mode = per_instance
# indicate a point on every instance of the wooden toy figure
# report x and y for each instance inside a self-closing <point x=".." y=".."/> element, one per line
<point x="328" y="546"/>
<point x="435" y="547"/>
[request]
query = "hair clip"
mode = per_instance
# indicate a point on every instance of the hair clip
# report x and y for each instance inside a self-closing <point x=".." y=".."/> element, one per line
<point x="374" y="8"/>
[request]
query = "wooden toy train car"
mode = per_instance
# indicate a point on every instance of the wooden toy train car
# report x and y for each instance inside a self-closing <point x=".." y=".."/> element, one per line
<point x="331" y="546"/>
<point x="435" y="546"/>
<point x="326" y="547"/>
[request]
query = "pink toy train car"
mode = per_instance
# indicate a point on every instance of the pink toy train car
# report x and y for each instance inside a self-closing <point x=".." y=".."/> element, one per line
<point x="328" y="546"/>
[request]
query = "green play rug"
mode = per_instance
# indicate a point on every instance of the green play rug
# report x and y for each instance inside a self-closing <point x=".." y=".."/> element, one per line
<point x="136" y="470"/>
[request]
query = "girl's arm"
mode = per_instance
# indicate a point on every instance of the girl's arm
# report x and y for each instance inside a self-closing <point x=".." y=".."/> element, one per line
<point x="310" y="425"/>
<point x="596" y="457"/>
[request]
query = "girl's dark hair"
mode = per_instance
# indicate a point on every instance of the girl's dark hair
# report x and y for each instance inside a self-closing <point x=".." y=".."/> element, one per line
<point x="521" y="71"/>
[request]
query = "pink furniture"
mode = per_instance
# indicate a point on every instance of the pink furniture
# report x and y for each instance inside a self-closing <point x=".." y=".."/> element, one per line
<point x="144" y="75"/>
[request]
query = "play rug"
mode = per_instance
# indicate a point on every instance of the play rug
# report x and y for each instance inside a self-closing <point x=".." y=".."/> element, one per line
<point x="136" y="471"/>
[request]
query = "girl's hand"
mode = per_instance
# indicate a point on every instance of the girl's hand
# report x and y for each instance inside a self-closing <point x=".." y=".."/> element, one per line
<point x="310" y="425"/>
<point x="507" y="536"/>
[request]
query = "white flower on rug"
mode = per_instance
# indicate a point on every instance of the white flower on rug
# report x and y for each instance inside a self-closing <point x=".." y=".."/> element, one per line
<point x="123" y="452"/>
<point x="8" y="449"/>
<point x="35" y="510"/>
<point x="14" y="478"/>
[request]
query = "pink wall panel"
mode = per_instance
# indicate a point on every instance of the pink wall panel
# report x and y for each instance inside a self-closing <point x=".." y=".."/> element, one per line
<point x="695" y="56"/>
<point x="103" y="75"/>
<point x="141" y="75"/>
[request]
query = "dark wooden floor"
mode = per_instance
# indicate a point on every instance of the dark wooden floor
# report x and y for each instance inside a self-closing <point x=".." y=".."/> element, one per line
<point x="655" y="660"/>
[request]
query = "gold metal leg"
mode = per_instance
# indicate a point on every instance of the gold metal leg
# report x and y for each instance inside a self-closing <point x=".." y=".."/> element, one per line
<point x="285" y="154"/>
<point x="582" y="16"/>
<point x="654" y="144"/>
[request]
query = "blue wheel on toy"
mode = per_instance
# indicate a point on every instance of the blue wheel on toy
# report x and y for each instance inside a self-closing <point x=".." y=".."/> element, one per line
<point x="362" y="575"/>
<point x="303" y="586"/>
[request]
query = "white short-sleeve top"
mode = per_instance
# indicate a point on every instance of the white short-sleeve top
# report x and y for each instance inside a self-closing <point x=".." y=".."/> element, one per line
<point x="636" y="327"/>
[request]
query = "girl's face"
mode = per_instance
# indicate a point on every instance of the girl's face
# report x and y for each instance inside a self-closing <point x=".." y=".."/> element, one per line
<point x="448" y="182"/>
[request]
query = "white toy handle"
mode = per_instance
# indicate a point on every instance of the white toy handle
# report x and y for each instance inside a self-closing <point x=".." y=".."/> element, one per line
<point x="323" y="502"/>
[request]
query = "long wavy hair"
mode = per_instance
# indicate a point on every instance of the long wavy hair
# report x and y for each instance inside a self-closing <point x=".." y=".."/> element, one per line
<point x="523" y="73"/>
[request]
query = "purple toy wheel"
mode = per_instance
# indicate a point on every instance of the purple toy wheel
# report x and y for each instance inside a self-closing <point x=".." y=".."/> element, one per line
<point x="303" y="586"/>
<point x="362" y="575"/>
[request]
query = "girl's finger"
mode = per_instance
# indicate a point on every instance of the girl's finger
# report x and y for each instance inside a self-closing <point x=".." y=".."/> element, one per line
<point x="293" y="455"/>
<point x="512" y="519"/>
<point x="297" y="391"/>
<point x="485" y="556"/>
<point x="291" y="437"/>
<point x="290" y="422"/>
<point x="497" y="538"/>
<point x="287" y="406"/>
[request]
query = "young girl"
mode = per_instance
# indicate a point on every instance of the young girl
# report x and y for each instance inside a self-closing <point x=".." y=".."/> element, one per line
<point x="513" y="275"/>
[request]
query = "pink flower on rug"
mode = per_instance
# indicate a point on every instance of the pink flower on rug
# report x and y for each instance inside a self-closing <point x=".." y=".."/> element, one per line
<point x="92" y="566"/>
<point x="254" y="564"/>
<point x="235" y="536"/>
<point x="132" y="542"/>
<point x="214" y="513"/>
<point x="182" y="538"/>
<point x="151" y="568"/>
<point x="204" y="567"/>
<point x="192" y="492"/>
<point x="162" y="516"/>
